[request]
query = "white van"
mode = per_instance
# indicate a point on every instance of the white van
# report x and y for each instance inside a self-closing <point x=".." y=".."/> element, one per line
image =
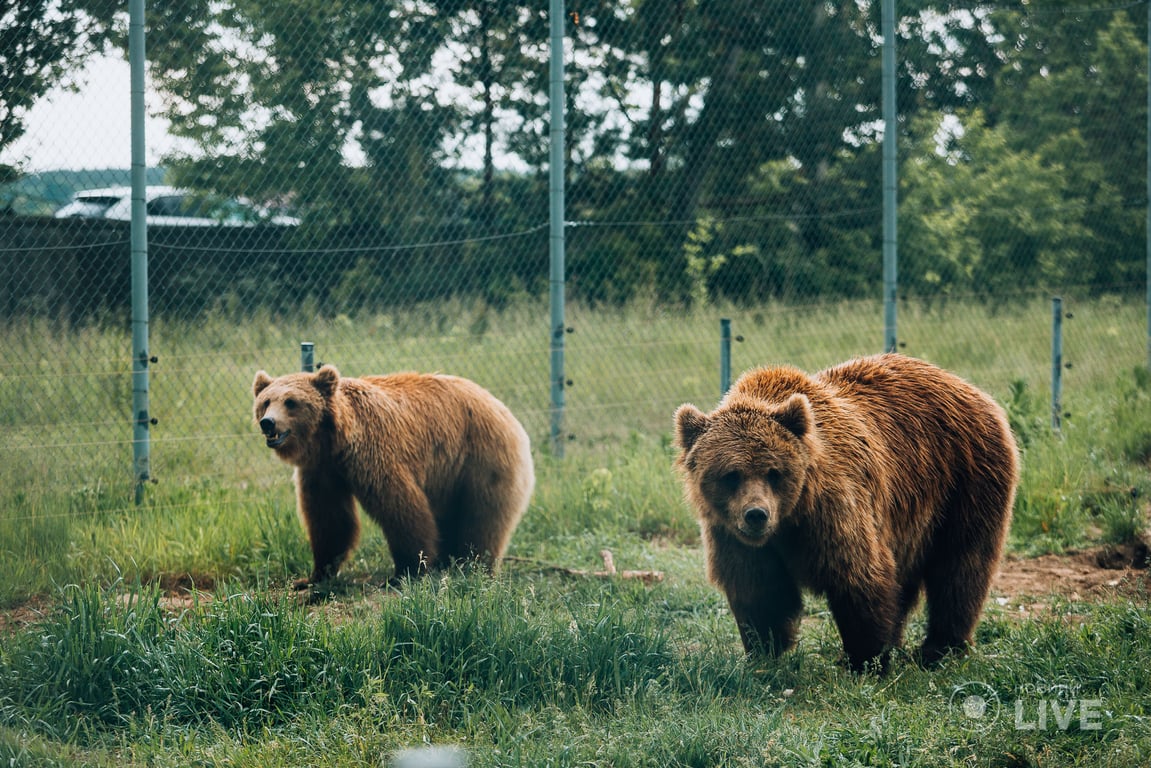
<point x="170" y="207"/>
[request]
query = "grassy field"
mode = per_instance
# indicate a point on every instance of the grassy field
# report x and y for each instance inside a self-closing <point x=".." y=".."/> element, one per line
<point x="107" y="659"/>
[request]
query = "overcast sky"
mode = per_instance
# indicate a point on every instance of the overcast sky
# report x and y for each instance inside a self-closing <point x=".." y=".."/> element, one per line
<point x="86" y="129"/>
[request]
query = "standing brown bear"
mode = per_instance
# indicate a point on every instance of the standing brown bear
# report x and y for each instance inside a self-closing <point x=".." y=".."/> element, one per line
<point x="441" y="464"/>
<point x="866" y="483"/>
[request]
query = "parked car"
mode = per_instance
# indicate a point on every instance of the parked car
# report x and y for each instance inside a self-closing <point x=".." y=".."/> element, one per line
<point x="171" y="207"/>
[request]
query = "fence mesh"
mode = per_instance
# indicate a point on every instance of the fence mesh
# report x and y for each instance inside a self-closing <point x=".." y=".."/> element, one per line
<point x="372" y="177"/>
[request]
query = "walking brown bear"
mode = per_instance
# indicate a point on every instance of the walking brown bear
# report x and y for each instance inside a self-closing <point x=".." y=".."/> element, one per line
<point x="868" y="482"/>
<point x="441" y="464"/>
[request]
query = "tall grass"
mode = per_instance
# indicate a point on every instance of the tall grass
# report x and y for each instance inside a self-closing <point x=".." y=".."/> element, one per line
<point x="531" y="670"/>
<point x="66" y="399"/>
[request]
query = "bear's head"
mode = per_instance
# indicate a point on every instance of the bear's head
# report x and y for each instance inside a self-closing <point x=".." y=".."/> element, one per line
<point x="745" y="464"/>
<point x="293" y="410"/>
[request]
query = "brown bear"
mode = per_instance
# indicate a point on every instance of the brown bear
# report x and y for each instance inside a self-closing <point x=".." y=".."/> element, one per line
<point x="441" y="464"/>
<point x="867" y="483"/>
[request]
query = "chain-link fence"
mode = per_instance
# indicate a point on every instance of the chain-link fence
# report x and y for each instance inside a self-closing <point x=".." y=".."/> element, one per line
<point x="372" y="177"/>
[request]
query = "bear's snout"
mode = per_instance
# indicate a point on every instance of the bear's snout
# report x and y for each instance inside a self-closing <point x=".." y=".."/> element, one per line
<point x="272" y="436"/>
<point x="755" y="522"/>
<point x="755" y="518"/>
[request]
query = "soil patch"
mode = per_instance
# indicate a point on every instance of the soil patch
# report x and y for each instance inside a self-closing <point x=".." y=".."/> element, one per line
<point x="20" y="616"/>
<point x="1028" y="585"/>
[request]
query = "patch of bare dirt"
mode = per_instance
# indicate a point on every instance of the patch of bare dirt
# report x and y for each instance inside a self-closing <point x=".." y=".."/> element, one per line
<point x="18" y="617"/>
<point x="1028" y="585"/>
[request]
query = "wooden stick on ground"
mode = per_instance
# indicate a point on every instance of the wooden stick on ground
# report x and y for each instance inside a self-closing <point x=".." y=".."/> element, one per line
<point x="609" y="570"/>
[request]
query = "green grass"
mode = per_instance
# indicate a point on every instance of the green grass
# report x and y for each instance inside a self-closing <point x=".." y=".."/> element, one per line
<point x="533" y="667"/>
<point x="535" y="670"/>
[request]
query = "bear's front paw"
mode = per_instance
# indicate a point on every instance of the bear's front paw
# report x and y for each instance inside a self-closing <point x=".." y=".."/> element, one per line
<point x="301" y="584"/>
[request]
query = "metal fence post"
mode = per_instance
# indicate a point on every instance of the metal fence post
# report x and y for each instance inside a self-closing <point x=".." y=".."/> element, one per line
<point x="556" y="224"/>
<point x="1056" y="363"/>
<point x="890" y="224"/>
<point x="141" y="439"/>
<point x="724" y="355"/>
<point x="307" y="356"/>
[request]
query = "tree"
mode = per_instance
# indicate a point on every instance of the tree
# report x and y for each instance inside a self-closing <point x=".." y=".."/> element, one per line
<point x="499" y="64"/>
<point x="1074" y="92"/>
<point x="342" y="104"/>
<point x="41" y="43"/>
<point x="272" y="93"/>
<point x="722" y="100"/>
<point x="982" y="217"/>
<point x="762" y="116"/>
<point x="358" y="113"/>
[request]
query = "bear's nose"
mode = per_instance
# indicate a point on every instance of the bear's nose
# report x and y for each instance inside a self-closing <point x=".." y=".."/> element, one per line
<point x="268" y="426"/>
<point x="755" y="517"/>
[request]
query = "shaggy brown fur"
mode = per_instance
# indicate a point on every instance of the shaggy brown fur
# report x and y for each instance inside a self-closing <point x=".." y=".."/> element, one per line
<point x="867" y="483"/>
<point x="442" y="465"/>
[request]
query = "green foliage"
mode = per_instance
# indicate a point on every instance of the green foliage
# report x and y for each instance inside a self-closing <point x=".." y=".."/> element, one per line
<point x="1024" y="413"/>
<point x="628" y="489"/>
<point x="1048" y="521"/>
<point x="700" y="264"/>
<point x="963" y="233"/>
<point x="1132" y="417"/>
<point x="1013" y="174"/>
<point x="86" y="670"/>
<point x="763" y="121"/>
<point x="1066" y="73"/>
<point x="242" y="662"/>
<point x="1084" y="476"/>
<point x="1020" y="149"/>
<point x="536" y="670"/>
<point x="1122" y="515"/>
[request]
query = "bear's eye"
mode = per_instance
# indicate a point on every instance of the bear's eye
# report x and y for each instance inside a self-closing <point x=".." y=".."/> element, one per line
<point x="773" y="477"/>
<point x="290" y="404"/>
<point x="730" y="481"/>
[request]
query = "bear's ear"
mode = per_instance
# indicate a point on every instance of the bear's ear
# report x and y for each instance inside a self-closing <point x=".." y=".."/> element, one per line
<point x="260" y="383"/>
<point x="690" y="423"/>
<point x="326" y="380"/>
<point x="795" y="415"/>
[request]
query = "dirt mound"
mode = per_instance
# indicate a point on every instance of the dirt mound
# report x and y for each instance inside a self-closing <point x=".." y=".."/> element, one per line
<point x="1099" y="573"/>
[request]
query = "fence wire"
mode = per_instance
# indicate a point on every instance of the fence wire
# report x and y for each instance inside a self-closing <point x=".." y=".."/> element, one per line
<point x="372" y="177"/>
